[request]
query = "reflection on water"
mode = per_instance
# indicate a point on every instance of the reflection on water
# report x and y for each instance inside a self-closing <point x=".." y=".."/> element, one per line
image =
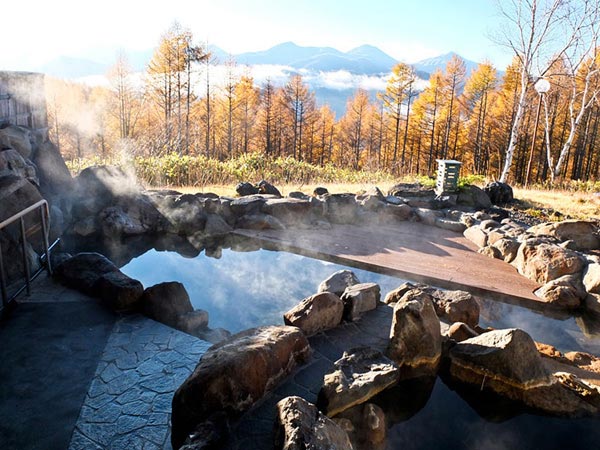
<point x="565" y="334"/>
<point x="241" y="290"/>
<point x="464" y="419"/>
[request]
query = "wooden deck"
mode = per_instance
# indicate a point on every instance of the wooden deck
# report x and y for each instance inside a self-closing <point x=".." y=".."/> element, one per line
<point x="411" y="251"/>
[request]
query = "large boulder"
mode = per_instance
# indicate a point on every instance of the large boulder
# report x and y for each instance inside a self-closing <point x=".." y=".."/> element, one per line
<point x="582" y="233"/>
<point x="366" y="425"/>
<point x="360" y="374"/>
<point x="399" y="212"/>
<point x="300" y="425"/>
<point x="193" y="322"/>
<point x="251" y="204"/>
<point x="508" y="363"/>
<point x="259" y="221"/>
<point x="507" y="248"/>
<point x="115" y="222"/>
<point x="12" y="163"/>
<point x="216" y="226"/>
<point x="17" y="137"/>
<point x="543" y="262"/>
<point x="236" y="373"/>
<point x="338" y="282"/>
<point x="243" y="189"/>
<point x="98" y="187"/>
<point x="408" y="190"/>
<point x="477" y="236"/>
<point x="316" y="313"/>
<point x="455" y="306"/>
<point x="508" y="356"/>
<point x="95" y="275"/>
<point x="341" y="208"/>
<point x="289" y="211"/>
<point x="473" y="196"/>
<point x="55" y="179"/>
<point x="499" y="193"/>
<point x="591" y="275"/>
<point x="415" y="337"/>
<point x="428" y="216"/>
<point x="184" y="214"/>
<point x="360" y="298"/>
<point x="565" y="292"/>
<point x="166" y="302"/>
<point x="107" y="182"/>
<point x="264" y="187"/>
<point x="16" y="194"/>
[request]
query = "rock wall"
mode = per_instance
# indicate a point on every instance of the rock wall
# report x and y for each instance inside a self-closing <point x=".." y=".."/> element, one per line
<point x="31" y="168"/>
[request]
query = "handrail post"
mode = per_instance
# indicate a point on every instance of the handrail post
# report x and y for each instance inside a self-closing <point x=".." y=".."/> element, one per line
<point x="44" y="213"/>
<point x="3" y="281"/>
<point x="25" y="259"/>
<point x="42" y="205"/>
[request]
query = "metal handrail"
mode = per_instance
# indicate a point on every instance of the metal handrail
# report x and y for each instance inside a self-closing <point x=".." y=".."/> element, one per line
<point x="42" y="205"/>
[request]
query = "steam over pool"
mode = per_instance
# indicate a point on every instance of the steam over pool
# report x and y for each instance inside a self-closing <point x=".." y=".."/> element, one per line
<point x="241" y="290"/>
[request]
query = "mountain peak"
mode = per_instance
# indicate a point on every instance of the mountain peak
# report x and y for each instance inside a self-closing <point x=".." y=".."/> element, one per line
<point x="430" y="65"/>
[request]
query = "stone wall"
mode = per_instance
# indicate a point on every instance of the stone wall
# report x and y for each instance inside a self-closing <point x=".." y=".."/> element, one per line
<point x="22" y="100"/>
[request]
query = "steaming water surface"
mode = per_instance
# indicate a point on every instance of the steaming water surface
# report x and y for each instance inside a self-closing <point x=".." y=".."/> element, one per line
<point x="241" y="290"/>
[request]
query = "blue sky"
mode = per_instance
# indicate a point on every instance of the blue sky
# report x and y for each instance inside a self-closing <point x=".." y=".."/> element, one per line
<point x="408" y="30"/>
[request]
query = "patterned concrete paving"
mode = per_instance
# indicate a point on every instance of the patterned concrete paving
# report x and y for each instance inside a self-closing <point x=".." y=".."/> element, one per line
<point x="128" y="404"/>
<point x="123" y="398"/>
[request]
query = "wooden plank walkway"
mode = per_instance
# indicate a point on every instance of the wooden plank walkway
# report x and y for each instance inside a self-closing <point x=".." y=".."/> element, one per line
<point x="412" y="251"/>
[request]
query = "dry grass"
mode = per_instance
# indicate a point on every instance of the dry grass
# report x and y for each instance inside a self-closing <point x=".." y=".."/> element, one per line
<point x="229" y="190"/>
<point x="579" y="205"/>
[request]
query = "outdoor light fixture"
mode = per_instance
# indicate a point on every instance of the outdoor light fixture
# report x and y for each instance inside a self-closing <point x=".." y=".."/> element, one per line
<point x="541" y="86"/>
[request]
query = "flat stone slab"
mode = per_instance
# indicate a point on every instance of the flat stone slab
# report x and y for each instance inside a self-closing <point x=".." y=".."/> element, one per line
<point x="412" y="251"/>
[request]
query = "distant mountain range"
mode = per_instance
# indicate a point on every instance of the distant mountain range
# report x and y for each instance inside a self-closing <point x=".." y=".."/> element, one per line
<point x="363" y="60"/>
<point x="367" y="60"/>
<point x="333" y="75"/>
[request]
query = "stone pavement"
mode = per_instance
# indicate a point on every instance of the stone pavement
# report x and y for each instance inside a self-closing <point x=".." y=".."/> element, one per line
<point x="128" y="404"/>
<point x="77" y="376"/>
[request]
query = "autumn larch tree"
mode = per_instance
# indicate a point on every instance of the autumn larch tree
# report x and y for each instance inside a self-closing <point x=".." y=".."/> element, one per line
<point x="398" y="90"/>
<point x="301" y="104"/>
<point x="478" y="89"/>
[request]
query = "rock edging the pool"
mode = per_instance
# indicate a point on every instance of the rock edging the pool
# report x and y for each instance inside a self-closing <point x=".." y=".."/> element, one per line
<point x="168" y="303"/>
<point x="507" y="363"/>
<point x="572" y="282"/>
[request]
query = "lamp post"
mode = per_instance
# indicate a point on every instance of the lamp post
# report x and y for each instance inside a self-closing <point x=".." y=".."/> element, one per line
<point x="541" y="86"/>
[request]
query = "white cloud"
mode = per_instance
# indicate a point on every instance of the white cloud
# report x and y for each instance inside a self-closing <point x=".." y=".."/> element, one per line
<point x="340" y="80"/>
<point x="343" y="80"/>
